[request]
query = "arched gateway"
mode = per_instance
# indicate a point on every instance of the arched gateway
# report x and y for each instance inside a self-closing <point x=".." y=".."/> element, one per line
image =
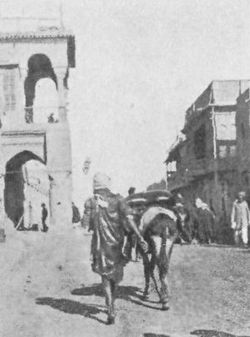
<point x="26" y="187"/>
<point x="26" y="58"/>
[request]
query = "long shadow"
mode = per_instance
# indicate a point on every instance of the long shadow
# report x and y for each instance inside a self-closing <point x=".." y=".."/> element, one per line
<point x="244" y="251"/>
<point x="72" y="307"/>
<point x="123" y="292"/>
<point x="154" y="335"/>
<point x="213" y="333"/>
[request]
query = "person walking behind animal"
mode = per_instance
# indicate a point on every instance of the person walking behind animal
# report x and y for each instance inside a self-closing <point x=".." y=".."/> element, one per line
<point x="205" y="222"/>
<point x="240" y="219"/>
<point x="108" y="215"/>
<point x="183" y="223"/>
<point x="131" y="190"/>
<point x="131" y="243"/>
<point x="44" y="217"/>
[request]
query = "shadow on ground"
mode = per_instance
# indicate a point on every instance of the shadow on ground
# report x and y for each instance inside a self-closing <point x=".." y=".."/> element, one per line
<point x="154" y="335"/>
<point x="72" y="307"/>
<point x="213" y="333"/>
<point x="127" y="293"/>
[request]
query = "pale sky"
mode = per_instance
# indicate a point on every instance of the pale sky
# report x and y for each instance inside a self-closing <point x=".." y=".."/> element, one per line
<point x="139" y="65"/>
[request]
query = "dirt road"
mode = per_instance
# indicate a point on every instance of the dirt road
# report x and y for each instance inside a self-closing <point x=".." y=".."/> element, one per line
<point x="48" y="290"/>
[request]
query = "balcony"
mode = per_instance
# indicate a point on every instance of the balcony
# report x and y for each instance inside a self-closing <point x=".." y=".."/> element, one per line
<point x="195" y="168"/>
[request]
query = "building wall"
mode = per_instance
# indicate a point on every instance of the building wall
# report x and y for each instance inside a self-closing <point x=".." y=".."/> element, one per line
<point x="50" y="142"/>
<point x="211" y="178"/>
<point x="243" y="142"/>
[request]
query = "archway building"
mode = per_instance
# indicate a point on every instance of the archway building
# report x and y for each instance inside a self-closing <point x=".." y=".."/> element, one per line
<point x="26" y="58"/>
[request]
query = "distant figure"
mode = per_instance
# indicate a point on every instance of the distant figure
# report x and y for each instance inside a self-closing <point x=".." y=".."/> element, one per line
<point x="51" y="118"/>
<point x="179" y="198"/>
<point x="205" y="221"/>
<point x="44" y="217"/>
<point x="132" y="242"/>
<point x="75" y="214"/>
<point x="30" y="215"/>
<point x="240" y="219"/>
<point x="131" y="190"/>
<point x="183" y="223"/>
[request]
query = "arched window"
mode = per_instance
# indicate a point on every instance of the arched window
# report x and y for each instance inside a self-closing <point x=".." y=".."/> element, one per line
<point x="45" y="106"/>
<point x="39" y="67"/>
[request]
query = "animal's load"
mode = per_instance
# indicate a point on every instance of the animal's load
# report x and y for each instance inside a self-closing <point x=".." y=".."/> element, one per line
<point x="151" y="214"/>
<point x="151" y="197"/>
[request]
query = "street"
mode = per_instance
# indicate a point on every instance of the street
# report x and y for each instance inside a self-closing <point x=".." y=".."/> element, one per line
<point x="49" y="290"/>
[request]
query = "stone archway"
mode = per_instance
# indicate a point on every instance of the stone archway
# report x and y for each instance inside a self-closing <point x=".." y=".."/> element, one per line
<point x="39" y="67"/>
<point x="15" y="199"/>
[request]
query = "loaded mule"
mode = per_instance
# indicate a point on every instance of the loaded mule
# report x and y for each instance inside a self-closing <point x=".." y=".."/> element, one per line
<point x="158" y="226"/>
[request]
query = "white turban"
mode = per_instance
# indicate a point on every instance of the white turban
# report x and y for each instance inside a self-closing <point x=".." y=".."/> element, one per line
<point x="101" y="181"/>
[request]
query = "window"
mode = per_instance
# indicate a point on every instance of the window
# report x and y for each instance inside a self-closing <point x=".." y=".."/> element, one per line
<point x="242" y="130"/>
<point x="200" y="142"/>
<point x="227" y="150"/>
<point x="9" y="88"/>
<point x="232" y="150"/>
<point x="222" y="151"/>
<point x="225" y="125"/>
<point x="244" y="178"/>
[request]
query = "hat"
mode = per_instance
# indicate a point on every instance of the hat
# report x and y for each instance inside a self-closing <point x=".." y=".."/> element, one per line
<point x="198" y="202"/>
<point x="179" y="205"/>
<point x="101" y="181"/>
<point x="131" y="190"/>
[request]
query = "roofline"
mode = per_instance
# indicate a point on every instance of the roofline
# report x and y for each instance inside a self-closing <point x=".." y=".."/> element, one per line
<point x="211" y="84"/>
<point x="220" y="104"/>
<point x="40" y="34"/>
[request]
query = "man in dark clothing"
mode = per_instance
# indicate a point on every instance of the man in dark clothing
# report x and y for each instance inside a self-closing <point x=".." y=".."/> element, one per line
<point x="108" y="215"/>
<point x="183" y="223"/>
<point x="44" y="217"/>
<point x="76" y="214"/>
<point x="131" y="191"/>
<point x="132" y="243"/>
<point x="205" y="222"/>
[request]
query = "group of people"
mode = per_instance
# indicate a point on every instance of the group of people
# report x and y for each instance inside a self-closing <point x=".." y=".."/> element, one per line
<point x="196" y="225"/>
<point x="199" y="224"/>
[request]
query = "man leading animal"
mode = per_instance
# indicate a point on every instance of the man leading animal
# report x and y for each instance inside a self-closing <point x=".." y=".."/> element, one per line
<point x="107" y="214"/>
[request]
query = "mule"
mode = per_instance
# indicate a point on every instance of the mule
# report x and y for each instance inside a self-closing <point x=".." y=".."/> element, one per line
<point x="159" y="229"/>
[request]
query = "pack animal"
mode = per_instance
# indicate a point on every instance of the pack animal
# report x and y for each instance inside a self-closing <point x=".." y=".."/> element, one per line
<point x="159" y="229"/>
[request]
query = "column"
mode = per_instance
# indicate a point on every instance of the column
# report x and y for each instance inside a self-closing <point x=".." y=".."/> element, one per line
<point x="27" y="111"/>
<point x="62" y="94"/>
<point x="2" y="101"/>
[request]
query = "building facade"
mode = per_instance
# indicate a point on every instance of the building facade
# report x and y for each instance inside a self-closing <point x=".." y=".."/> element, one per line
<point x="204" y="161"/>
<point x="26" y="58"/>
<point x="243" y="140"/>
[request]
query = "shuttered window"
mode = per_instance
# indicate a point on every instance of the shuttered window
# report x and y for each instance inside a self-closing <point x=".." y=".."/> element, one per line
<point x="9" y="89"/>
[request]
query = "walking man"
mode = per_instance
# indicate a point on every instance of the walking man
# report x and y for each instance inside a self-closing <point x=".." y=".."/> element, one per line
<point x="44" y="217"/>
<point x="240" y="219"/>
<point x="205" y="222"/>
<point x="108" y="215"/>
<point x="183" y="223"/>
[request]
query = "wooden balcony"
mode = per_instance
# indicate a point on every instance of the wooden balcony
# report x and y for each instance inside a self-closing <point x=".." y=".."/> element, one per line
<point x="197" y="168"/>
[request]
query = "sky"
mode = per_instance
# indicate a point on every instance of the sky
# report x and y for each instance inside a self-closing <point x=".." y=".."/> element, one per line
<point x="139" y="65"/>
